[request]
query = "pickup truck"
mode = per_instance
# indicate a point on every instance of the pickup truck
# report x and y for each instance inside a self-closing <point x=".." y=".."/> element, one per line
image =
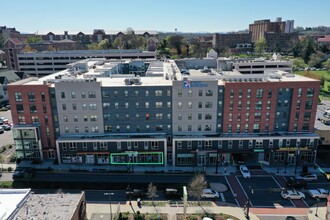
<point x="318" y="193"/>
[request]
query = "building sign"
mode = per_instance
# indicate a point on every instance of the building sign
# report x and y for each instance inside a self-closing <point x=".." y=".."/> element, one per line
<point x="194" y="84"/>
<point x="292" y="148"/>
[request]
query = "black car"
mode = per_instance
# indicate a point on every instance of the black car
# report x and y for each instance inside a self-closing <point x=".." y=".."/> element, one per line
<point x="18" y="174"/>
<point x="136" y="193"/>
<point x="296" y="183"/>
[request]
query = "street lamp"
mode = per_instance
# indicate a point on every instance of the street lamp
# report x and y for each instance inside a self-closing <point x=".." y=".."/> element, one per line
<point x="109" y="194"/>
<point x="217" y="162"/>
<point x="317" y="206"/>
<point x="247" y="204"/>
<point x="285" y="161"/>
<point x="297" y="158"/>
<point x="129" y="194"/>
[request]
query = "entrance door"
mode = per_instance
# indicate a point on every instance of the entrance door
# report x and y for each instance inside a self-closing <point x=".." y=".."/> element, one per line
<point x="291" y="160"/>
<point x="201" y="160"/>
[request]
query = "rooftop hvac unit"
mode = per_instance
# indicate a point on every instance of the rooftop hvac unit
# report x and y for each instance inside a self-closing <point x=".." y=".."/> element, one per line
<point x="127" y="81"/>
<point x="137" y="81"/>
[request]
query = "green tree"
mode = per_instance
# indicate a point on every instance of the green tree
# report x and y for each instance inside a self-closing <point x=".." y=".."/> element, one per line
<point x="2" y="42"/>
<point x="93" y="46"/>
<point x="33" y="39"/>
<point x="176" y="41"/>
<point x="327" y="64"/>
<point x="315" y="60"/>
<point x="296" y="49"/>
<point x="196" y="186"/>
<point x="260" y="46"/>
<point x="298" y="63"/>
<point x="104" y="44"/>
<point x="117" y="43"/>
<point x="308" y="48"/>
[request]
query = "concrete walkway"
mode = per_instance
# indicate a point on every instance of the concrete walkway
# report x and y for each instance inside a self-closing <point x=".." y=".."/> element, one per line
<point x="101" y="211"/>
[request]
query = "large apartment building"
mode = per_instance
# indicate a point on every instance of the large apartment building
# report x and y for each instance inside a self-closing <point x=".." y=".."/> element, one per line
<point x="93" y="113"/>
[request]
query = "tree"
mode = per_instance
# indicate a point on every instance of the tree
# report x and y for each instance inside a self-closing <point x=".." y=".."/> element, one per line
<point x="196" y="186"/>
<point x="298" y="63"/>
<point x="93" y="46"/>
<point x="175" y="42"/>
<point x="296" y="49"/>
<point x="327" y="64"/>
<point x="2" y="42"/>
<point x="28" y="48"/>
<point x="33" y="39"/>
<point x="315" y="60"/>
<point x="117" y="43"/>
<point x="152" y="192"/>
<point x="104" y="44"/>
<point x="308" y="48"/>
<point x="260" y="46"/>
<point x="2" y="160"/>
<point x="51" y="48"/>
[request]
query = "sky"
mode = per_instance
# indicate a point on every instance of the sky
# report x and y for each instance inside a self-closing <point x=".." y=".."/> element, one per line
<point x="164" y="16"/>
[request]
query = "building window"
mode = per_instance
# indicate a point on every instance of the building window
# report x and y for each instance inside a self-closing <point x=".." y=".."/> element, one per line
<point x="179" y="93"/>
<point x="238" y="128"/>
<point x="199" y="116"/>
<point x="31" y="97"/>
<point x="247" y="116"/>
<point x="230" y="144"/>
<point x="307" y="116"/>
<point x="95" y="129"/>
<point x="19" y="108"/>
<point x="190" y="93"/>
<point x="159" y="116"/>
<point x="200" y="104"/>
<point x="73" y="95"/>
<point x="239" y="117"/>
<point x="249" y="93"/>
<point x="269" y="105"/>
<point x="168" y="92"/>
<point x="137" y="104"/>
<point x="75" y="118"/>
<point x="310" y="92"/>
<point x="179" y="105"/>
<point x="83" y="95"/>
<point x="179" y="127"/>
<point x="257" y="116"/>
<point x="260" y="93"/>
<point x="259" y="105"/>
<point x="168" y="116"/>
<point x="231" y="95"/>
<point x="208" y="104"/>
<point x="63" y="95"/>
<point x="18" y="96"/>
<point x="147" y="105"/>
<point x="159" y="104"/>
<point x="35" y="120"/>
<point x="209" y="93"/>
<point x="74" y="106"/>
<point x="296" y="118"/>
<point x="43" y="97"/>
<point x="76" y="129"/>
<point x="230" y="117"/>
<point x="127" y="117"/>
<point x="147" y="93"/>
<point x="246" y="128"/>
<point x="158" y="93"/>
<point x="147" y="116"/>
<point x="92" y="106"/>
<point x="126" y="105"/>
<point x="189" y="104"/>
<point x="85" y="118"/>
<point x="66" y="130"/>
<point x="239" y="107"/>
<point x="169" y="105"/>
<point x="189" y="116"/>
<point x="299" y="92"/>
<point x="44" y="108"/>
<point x="230" y="128"/>
<point x="189" y="127"/>
<point x="21" y="120"/>
<point x="208" y="116"/>
<point x="199" y="127"/>
<point x="137" y="115"/>
<point x="93" y="117"/>
<point x="298" y="104"/>
<point x="136" y="92"/>
<point x="65" y="119"/>
<point x="91" y="94"/>
<point x="33" y="108"/>
<point x="309" y="104"/>
<point x="256" y="128"/>
<point x="240" y="93"/>
<point x="106" y="105"/>
<point x="270" y="93"/>
<point x="200" y="92"/>
<point x="231" y="105"/>
<point x="248" y="103"/>
<point x="267" y="116"/>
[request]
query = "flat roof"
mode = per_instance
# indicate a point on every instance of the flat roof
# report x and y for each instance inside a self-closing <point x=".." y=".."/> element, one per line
<point x="10" y="199"/>
<point x="49" y="206"/>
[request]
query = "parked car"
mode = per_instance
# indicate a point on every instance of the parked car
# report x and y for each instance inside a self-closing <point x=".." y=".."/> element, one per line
<point x="318" y="193"/>
<point x="136" y="193"/>
<point x="292" y="194"/>
<point x="18" y="174"/>
<point x="245" y="171"/>
<point x="307" y="177"/>
<point x="6" y="127"/>
<point x="209" y="194"/>
<point x="171" y="193"/>
<point x="1" y="129"/>
<point x="238" y="158"/>
<point x="296" y="183"/>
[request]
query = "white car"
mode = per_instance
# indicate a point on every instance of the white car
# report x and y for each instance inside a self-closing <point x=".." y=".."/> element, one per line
<point x="318" y="193"/>
<point x="292" y="194"/>
<point x="307" y="177"/>
<point x="245" y="171"/>
<point x="209" y="194"/>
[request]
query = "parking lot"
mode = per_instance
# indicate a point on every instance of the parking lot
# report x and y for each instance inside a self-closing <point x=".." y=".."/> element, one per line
<point x="7" y="137"/>
<point x="264" y="191"/>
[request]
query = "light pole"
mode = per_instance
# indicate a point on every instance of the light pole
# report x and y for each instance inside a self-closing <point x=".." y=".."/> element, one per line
<point x="109" y="194"/>
<point x="217" y="162"/>
<point x="248" y="203"/>
<point x="317" y="206"/>
<point x="285" y="161"/>
<point x="297" y="158"/>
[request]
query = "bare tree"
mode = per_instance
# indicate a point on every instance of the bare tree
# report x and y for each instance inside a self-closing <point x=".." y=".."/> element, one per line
<point x="152" y="192"/>
<point x="196" y="186"/>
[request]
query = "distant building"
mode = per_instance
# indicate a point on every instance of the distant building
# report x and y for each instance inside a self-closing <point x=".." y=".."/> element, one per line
<point x="232" y="41"/>
<point x="260" y="27"/>
<point x="7" y="77"/>
<point x="46" y="61"/>
<point x="22" y="204"/>
<point x="6" y="32"/>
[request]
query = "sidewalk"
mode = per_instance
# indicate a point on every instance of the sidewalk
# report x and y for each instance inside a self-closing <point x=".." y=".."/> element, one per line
<point x="101" y="211"/>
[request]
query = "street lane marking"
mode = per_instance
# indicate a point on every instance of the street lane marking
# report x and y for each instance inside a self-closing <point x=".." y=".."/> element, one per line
<point x="222" y="197"/>
<point x="232" y="191"/>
